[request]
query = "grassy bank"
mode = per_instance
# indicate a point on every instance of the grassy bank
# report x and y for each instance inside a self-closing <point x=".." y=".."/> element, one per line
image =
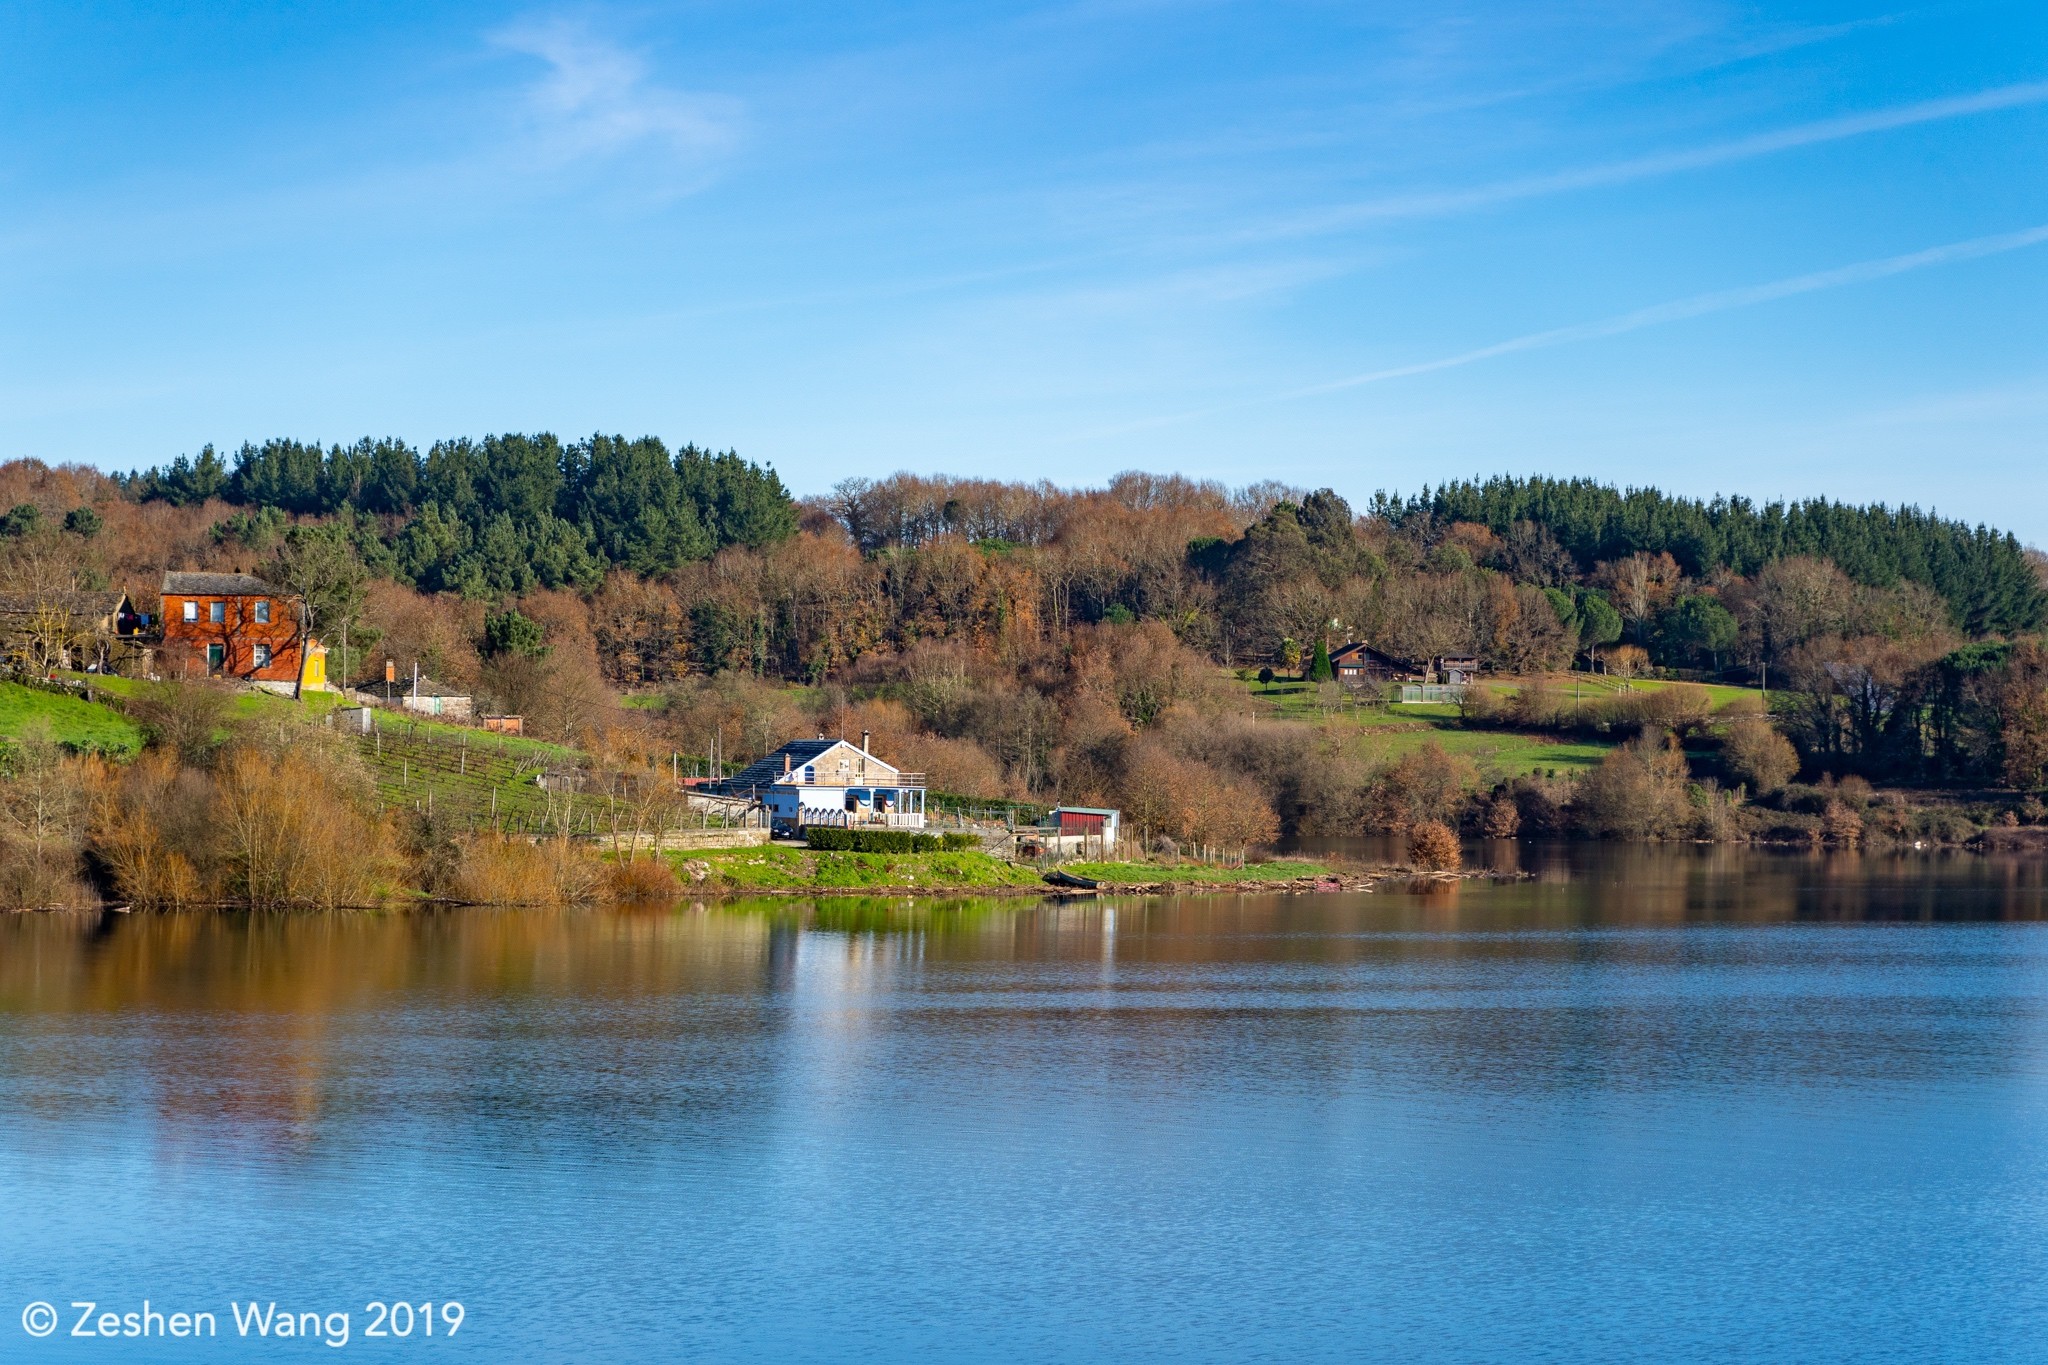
<point x="70" y="721"/>
<point x="777" y="868"/>
<point x="1205" y="874"/>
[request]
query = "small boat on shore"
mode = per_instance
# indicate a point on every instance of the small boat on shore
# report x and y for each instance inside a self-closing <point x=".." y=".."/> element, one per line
<point x="1069" y="879"/>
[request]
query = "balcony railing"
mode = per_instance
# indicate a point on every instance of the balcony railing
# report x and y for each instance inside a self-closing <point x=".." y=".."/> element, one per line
<point x="885" y="783"/>
<point x="841" y="819"/>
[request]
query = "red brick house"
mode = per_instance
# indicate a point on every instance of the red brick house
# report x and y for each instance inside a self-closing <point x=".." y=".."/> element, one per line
<point x="235" y="625"/>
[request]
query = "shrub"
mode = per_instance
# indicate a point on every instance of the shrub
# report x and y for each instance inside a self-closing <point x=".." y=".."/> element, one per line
<point x="1540" y="802"/>
<point x="147" y="822"/>
<point x="1840" y="825"/>
<point x="1426" y="784"/>
<point x="1481" y="707"/>
<point x="187" y="717"/>
<point x="287" y="833"/>
<point x="830" y="839"/>
<point x="495" y="870"/>
<point x="642" y="879"/>
<point x="1503" y="817"/>
<point x="1637" y="792"/>
<point x="1682" y="707"/>
<point x="43" y="810"/>
<point x="1756" y="755"/>
<point x="1432" y="845"/>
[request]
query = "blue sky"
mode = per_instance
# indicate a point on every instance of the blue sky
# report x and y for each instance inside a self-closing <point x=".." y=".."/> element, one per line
<point x="1783" y="250"/>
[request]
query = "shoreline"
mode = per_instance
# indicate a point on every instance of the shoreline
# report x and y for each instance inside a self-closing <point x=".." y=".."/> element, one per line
<point x="797" y="877"/>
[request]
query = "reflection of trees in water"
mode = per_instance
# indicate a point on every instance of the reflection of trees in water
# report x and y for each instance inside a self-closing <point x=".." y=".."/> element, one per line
<point x="613" y="1030"/>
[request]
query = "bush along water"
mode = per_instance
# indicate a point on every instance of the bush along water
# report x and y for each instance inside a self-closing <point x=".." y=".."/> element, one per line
<point x="826" y="839"/>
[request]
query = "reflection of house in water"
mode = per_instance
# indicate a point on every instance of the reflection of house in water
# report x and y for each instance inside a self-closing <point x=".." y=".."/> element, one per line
<point x="828" y="782"/>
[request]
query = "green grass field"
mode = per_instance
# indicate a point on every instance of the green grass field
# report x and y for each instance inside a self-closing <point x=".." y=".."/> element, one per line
<point x="1388" y="732"/>
<point x="1497" y="753"/>
<point x="779" y="868"/>
<point x="70" y="721"/>
<point x="1251" y="874"/>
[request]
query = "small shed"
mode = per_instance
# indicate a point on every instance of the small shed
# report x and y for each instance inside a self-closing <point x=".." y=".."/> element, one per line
<point x="419" y="694"/>
<point x="1453" y="670"/>
<point x="1093" y="821"/>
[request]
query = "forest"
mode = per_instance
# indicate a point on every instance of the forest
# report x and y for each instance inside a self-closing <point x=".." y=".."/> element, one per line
<point x="1038" y="643"/>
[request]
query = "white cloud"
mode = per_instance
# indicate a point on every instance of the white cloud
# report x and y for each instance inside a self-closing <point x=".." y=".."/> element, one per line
<point x="597" y="99"/>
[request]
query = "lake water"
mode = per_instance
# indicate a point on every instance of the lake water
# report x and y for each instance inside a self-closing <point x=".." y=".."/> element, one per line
<point x="1654" y="1104"/>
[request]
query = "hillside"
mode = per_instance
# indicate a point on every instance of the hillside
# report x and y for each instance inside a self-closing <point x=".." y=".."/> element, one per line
<point x="70" y="721"/>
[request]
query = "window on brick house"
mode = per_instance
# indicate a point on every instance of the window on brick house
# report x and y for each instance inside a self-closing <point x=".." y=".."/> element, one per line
<point x="263" y="656"/>
<point x="263" y="610"/>
<point x="216" y="611"/>
<point x="191" y="611"/>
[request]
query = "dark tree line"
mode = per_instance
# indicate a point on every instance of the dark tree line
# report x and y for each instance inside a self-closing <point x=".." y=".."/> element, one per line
<point x="503" y="514"/>
<point x="1980" y="573"/>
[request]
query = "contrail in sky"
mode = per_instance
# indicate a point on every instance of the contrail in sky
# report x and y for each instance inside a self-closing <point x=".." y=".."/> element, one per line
<point x="1700" y="304"/>
<point x="1428" y="204"/>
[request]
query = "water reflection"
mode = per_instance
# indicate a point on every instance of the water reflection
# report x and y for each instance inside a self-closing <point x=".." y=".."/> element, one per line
<point x="1469" y="1124"/>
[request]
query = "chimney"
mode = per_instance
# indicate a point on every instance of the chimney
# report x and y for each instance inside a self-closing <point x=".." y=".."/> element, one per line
<point x="390" y="671"/>
<point x="785" y="765"/>
<point x="864" y="741"/>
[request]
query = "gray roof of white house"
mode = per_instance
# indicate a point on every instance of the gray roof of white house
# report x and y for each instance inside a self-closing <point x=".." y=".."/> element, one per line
<point x="766" y="771"/>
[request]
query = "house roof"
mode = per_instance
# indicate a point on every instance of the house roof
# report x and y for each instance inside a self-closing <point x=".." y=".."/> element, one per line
<point x="1362" y="653"/>
<point x="217" y="585"/>
<point x="91" y="605"/>
<point x="770" y="769"/>
<point x="1084" y="810"/>
<point x="766" y="770"/>
<point x="400" y="688"/>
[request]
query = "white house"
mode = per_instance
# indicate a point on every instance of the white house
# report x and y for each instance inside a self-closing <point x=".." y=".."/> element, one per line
<point x="829" y="782"/>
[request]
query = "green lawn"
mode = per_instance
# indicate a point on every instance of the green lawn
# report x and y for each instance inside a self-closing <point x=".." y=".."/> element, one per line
<point x="1280" y="870"/>
<point x="69" y="720"/>
<point x="1497" y="753"/>
<point x="779" y="868"/>
<point x="1388" y="732"/>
